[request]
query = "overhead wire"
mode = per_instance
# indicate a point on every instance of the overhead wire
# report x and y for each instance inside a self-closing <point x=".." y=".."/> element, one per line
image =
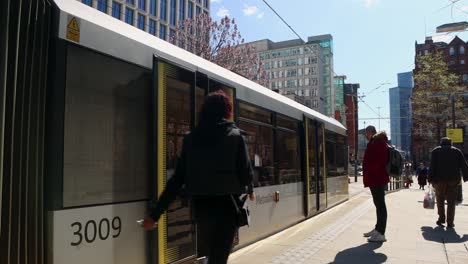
<point x="334" y="73"/>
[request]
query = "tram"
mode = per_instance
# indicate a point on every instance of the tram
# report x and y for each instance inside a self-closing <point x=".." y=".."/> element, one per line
<point x="118" y="102"/>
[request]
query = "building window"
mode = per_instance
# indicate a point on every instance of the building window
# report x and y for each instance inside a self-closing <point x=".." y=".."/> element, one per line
<point x="129" y="16"/>
<point x="116" y="10"/>
<point x="141" y="22"/>
<point x="163" y="10"/>
<point x="452" y="62"/>
<point x="152" y="7"/>
<point x="190" y="10"/>
<point x="173" y="12"/>
<point x="465" y="77"/>
<point x="462" y="61"/>
<point x="162" y="32"/>
<point x="142" y="4"/>
<point x="199" y="1"/>
<point x="181" y="11"/>
<point x="87" y="2"/>
<point x="205" y="3"/>
<point x="132" y="2"/>
<point x="462" y="50"/>
<point x="102" y="5"/>
<point x="152" y="27"/>
<point x="451" y="51"/>
<point x="198" y="10"/>
<point x="171" y="33"/>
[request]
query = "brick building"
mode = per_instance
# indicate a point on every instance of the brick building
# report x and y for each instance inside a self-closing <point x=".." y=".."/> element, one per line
<point x="351" y="114"/>
<point x="455" y="52"/>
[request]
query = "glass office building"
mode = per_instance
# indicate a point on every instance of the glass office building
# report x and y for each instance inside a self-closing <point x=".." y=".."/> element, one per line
<point x="157" y="17"/>
<point x="400" y="112"/>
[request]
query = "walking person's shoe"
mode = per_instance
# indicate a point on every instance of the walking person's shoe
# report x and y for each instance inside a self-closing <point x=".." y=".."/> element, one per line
<point x="440" y="223"/>
<point x="377" y="237"/>
<point x="370" y="233"/>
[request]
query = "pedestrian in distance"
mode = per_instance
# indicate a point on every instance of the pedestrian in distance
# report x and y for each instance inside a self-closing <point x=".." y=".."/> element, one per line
<point x="408" y="176"/>
<point x="376" y="177"/>
<point x="447" y="164"/>
<point x="422" y="171"/>
<point x="213" y="167"/>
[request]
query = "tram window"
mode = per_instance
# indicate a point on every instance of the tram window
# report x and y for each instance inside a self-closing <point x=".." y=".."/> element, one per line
<point x="341" y="154"/>
<point x="215" y="86"/>
<point x="178" y="119"/>
<point x="200" y="97"/>
<point x="178" y="85"/>
<point x="286" y="122"/>
<point x="202" y="87"/>
<point x="330" y="145"/>
<point x="336" y="154"/>
<point x="254" y="113"/>
<point x="260" y="147"/>
<point x="106" y="130"/>
<point x="288" y="157"/>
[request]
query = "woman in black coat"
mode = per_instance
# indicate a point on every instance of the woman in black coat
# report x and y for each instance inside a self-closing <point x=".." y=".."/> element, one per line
<point x="213" y="167"/>
<point x="422" y="173"/>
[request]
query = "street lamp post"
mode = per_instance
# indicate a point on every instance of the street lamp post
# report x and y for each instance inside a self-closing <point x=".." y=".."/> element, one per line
<point x="453" y="110"/>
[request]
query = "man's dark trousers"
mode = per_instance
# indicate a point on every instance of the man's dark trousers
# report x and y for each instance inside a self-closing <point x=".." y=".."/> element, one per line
<point x="378" y="195"/>
<point x="446" y="190"/>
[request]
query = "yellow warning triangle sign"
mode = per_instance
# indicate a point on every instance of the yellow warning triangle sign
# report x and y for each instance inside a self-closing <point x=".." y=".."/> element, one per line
<point x="73" y="25"/>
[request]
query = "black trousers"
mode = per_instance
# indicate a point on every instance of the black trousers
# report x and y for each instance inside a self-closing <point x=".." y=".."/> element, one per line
<point x="216" y="227"/>
<point x="378" y="195"/>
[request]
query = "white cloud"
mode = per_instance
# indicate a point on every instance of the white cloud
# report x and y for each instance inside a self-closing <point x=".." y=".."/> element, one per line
<point x="222" y="12"/>
<point x="215" y="1"/>
<point x="260" y="15"/>
<point x="370" y="3"/>
<point x="463" y="9"/>
<point x="250" y="10"/>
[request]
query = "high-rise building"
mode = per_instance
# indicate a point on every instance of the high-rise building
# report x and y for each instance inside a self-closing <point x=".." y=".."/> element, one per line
<point x="400" y="113"/>
<point x="297" y="69"/>
<point x="339" y="83"/>
<point x="157" y="17"/>
<point x="293" y="69"/>
<point x="327" y="73"/>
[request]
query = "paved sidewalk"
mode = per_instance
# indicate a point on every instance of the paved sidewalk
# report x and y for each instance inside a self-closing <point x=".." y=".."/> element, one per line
<point x="336" y="235"/>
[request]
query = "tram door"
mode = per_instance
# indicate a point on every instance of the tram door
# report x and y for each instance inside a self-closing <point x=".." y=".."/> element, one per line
<point x="176" y="239"/>
<point x="312" y="194"/>
<point x="321" y="172"/>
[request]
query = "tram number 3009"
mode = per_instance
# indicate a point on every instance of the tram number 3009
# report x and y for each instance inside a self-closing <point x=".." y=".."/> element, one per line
<point x="92" y="230"/>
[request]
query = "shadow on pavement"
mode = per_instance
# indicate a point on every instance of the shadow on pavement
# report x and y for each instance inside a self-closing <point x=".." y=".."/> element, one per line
<point x="439" y="234"/>
<point x="361" y="254"/>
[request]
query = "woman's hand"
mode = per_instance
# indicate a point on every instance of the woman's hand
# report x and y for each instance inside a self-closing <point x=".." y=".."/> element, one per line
<point x="149" y="224"/>
<point x="252" y="197"/>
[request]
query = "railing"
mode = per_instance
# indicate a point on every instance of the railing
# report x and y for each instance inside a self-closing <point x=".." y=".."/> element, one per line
<point x="395" y="183"/>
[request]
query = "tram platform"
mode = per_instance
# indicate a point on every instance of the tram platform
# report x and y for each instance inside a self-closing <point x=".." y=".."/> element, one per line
<point x="335" y="236"/>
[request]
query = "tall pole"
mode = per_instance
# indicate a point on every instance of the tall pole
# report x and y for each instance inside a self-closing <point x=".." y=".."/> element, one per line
<point x="356" y="135"/>
<point x="453" y="110"/>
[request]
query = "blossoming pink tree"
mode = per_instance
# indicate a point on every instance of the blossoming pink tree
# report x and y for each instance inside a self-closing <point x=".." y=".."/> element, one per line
<point x="221" y="43"/>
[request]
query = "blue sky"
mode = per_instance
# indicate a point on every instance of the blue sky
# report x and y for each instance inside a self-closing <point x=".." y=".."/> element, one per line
<point x="373" y="39"/>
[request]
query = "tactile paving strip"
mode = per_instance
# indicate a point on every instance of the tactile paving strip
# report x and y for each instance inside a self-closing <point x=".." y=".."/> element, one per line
<point x="311" y="245"/>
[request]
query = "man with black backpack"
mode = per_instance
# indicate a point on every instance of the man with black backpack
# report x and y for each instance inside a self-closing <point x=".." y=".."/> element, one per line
<point x="376" y="177"/>
<point x="444" y="174"/>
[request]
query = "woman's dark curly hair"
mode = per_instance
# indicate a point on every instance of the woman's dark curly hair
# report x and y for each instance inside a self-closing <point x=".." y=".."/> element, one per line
<point x="217" y="106"/>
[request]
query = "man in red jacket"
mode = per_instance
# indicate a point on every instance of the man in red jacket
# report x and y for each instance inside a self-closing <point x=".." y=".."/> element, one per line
<point x="376" y="178"/>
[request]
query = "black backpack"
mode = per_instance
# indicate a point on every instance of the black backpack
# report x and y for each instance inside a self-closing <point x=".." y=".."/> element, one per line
<point x="395" y="162"/>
